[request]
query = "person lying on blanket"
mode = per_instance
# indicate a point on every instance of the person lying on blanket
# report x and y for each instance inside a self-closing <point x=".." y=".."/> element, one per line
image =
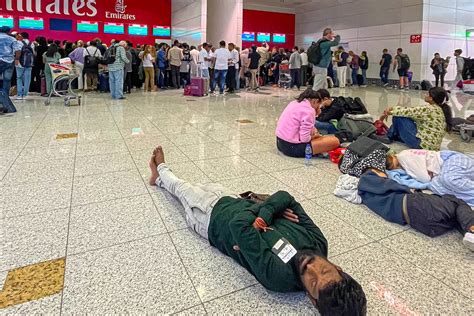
<point x="275" y="240"/>
<point x="432" y="215"/>
<point x="447" y="172"/>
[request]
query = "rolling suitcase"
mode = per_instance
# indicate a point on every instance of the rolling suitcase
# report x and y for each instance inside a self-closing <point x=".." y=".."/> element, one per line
<point x="199" y="86"/>
<point x="43" y="85"/>
<point x="360" y="80"/>
<point x="104" y="82"/>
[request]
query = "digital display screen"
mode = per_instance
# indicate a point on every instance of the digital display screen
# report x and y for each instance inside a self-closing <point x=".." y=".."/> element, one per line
<point x="263" y="37"/>
<point x="248" y="37"/>
<point x="87" y="27"/>
<point x="114" y="28"/>
<point x="6" y="20"/>
<point x="279" y="38"/>
<point x="60" y="25"/>
<point x="31" y="23"/>
<point x="138" y="29"/>
<point x="161" y="31"/>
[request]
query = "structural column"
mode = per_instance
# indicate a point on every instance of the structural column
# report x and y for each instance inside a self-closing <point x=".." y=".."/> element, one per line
<point x="224" y="21"/>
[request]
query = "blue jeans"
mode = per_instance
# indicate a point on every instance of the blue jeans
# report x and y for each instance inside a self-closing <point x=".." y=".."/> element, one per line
<point x="219" y="75"/>
<point x="205" y="73"/>
<point x="161" y="77"/>
<point x="6" y="69"/>
<point x="295" y="78"/>
<point x="404" y="129"/>
<point x="354" y="76"/>
<point x="364" y="75"/>
<point x="384" y="74"/>
<point x="23" y="80"/>
<point x="116" y="83"/>
<point x="325" y="127"/>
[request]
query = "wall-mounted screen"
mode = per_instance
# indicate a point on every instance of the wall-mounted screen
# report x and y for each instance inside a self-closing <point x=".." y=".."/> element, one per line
<point x="138" y="29"/>
<point x="161" y="31"/>
<point x="279" y="38"/>
<point x="248" y="37"/>
<point x="87" y="27"/>
<point x="114" y="28"/>
<point x="263" y="37"/>
<point x="60" y="25"/>
<point x="6" y="20"/>
<point x="31" y="23"/>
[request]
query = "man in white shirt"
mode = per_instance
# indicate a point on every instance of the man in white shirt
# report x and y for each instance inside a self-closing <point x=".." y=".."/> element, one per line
<point x="222" y="58"/>
<point x="194" y="54"/>
<point x="232" y="69"/>
<point x="205" y="60"/>
<point x="304" y="67"/>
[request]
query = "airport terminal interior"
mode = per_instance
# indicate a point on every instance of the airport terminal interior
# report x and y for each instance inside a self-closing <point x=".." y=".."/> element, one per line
<point x="83" y="231"/>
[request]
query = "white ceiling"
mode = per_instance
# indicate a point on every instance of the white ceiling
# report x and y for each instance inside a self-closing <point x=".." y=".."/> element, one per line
<point x="278" y="3"/>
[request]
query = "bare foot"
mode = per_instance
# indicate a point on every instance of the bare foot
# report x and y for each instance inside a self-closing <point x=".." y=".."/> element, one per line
<point x="156" y="159"/>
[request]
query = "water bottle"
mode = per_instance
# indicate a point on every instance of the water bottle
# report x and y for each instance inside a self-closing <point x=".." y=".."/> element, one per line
<point x="308" y="154"/>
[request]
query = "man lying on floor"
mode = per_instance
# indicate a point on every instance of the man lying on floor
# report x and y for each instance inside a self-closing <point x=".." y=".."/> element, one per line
<point x="275" y="240"/>
<point x="432" y="215"/>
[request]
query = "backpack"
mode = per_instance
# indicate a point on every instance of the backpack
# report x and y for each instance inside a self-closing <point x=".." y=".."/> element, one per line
<point x="362" y="154"/>
<point x="109" y="56"/>
<point x="405" y="62"/>
<point x="350" y="105"/>
<point x="468" y="69"/>
<point x="91" y="61"/>
<point x="314" y="52"/>
<point x="27" y="56"/>
<point x="426" y="85"/>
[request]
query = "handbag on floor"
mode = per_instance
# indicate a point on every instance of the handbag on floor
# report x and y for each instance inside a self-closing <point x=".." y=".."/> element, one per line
<point x="363" y="154"/>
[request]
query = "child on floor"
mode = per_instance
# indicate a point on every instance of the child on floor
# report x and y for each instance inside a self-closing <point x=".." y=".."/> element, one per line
<point x="432" y="215"/>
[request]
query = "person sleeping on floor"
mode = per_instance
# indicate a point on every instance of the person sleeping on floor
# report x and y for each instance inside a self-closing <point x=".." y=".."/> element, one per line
<point x="443" y="172"/>
<point x="432" y="215"/>
<point x="275" y="240"/>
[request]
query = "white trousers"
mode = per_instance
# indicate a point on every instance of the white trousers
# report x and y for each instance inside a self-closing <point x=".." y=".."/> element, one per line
<point x="342" y="76"/>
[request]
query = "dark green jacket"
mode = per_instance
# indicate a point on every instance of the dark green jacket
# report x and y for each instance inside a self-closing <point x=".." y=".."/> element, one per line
<point x="231" y="224"/>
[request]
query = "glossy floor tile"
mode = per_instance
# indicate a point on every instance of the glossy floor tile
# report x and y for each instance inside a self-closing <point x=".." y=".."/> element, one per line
<point x="127" y="246"/>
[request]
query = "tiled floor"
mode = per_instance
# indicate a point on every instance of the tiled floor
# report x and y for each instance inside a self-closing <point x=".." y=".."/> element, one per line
<point x="126" y="243"/>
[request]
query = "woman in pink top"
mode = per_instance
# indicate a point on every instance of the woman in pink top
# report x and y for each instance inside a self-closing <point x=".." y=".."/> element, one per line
<point x="296" y="129"/>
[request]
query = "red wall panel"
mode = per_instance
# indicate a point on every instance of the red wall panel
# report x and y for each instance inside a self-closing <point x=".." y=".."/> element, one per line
<point x="115" y="11"/>
<point x="269" y="22"/>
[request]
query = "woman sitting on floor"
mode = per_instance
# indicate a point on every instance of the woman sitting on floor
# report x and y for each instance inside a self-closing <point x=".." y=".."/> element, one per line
<point x="421" y="127"/>
<point x="295" y="129"/>
<point x="447" y="172"/>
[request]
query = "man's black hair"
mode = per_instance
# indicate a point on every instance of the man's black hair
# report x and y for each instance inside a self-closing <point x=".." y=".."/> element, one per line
<point x="345" y="297"/>
<point x="222" y="43"/>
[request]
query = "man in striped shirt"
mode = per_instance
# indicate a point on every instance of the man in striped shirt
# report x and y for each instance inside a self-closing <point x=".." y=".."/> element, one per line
<point x="116" y="70"/>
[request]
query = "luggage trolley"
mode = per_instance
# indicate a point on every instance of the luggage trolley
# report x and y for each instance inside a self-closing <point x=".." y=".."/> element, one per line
<point x="63" y="75"/>
<point x="284" y="80"/>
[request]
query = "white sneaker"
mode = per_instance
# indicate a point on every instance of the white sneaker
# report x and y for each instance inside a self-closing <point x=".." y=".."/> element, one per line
<point x="19" y="98"/>
<point x="386" y="84"/>
<point x="468" y="241"/>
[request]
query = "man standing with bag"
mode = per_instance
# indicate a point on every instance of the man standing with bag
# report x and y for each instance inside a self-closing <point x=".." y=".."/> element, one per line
<point x="319" y="54"/>
<point x="118" y="54"/>
<point x="23" y="70"/>
<point x="10" y="51"/>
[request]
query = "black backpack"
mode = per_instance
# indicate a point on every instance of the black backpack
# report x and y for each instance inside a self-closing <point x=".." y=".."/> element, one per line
<point x="405" y="62"/>
<point x="91" y="61"/>
<point x="109" y="56"/>
<point x="426" y="85"/>
<point x="27" y="56"/>
<point x="314" y="52"/>
<point x="350" y="105"/>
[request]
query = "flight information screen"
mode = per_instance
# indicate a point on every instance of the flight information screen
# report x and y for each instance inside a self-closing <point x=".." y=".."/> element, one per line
<point x="138" y="29"/>
<point x="6" y="20"/>
<point x="248" y="37"/>
<point x="279" y="38"/>
<point x="31" y="23"/>
<point x="114" y="28"/>
<point x="87" y="27"/>
<point x="161" y="31"/>
<point x="263" y="37"/>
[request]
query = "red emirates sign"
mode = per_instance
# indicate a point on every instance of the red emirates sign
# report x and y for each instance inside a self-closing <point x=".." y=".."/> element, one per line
<point x="415" y="38"/>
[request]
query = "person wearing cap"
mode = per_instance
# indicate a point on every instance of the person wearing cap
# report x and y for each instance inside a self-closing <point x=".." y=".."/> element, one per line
<point x="10" y="50"/>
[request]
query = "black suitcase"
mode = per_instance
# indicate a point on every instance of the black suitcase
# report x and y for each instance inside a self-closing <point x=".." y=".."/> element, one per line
<point x="104" y="82"/>
<point x="360" y="80"/>
<point x="426" y="85"/>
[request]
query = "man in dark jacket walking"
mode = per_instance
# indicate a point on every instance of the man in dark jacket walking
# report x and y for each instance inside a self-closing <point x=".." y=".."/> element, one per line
<point x="275" y="240"/>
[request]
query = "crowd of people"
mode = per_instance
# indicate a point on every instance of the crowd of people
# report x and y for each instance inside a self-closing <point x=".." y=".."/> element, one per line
<point x="247" y="227"/>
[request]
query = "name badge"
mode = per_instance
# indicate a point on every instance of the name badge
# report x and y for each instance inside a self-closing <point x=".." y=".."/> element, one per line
<point x="284" y="250"/>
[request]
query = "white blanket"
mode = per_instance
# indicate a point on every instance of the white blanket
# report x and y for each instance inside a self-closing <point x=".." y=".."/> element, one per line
<point x="347" y="188"/>
<point x="421" y="165"/>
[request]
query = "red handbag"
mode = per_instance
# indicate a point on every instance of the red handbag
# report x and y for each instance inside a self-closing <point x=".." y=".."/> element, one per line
<point x="382" y="128"/>
<point x="336" y="155"/>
